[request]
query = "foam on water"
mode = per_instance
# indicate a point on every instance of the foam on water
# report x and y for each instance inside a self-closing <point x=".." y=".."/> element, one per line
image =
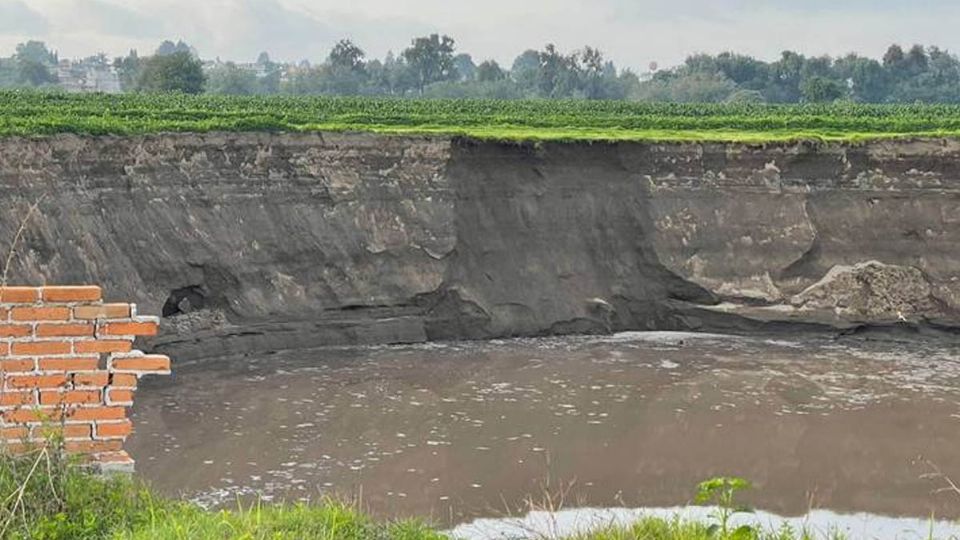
<point x="820" y="523"/>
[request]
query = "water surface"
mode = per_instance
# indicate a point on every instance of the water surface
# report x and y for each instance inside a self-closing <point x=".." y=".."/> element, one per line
<point x="458" y="431"/>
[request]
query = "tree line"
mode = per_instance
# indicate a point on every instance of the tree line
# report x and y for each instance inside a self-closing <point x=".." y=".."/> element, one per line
<point x="431" y="66"/>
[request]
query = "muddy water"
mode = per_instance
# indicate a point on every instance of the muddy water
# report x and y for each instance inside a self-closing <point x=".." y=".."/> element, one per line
<point x="459" y="431"/>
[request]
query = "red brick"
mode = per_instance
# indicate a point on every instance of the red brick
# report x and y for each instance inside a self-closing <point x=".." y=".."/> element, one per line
<point x="72" y="431"/>
<point x="4" y="349"/>
<point x="14" y="433"/>
<point x="15" y="330"/>
<point x="141" y="363"/>
<point x="124" y="380"/>
<point x="19" y="295"/>
<point x="17" y="366"/>
<point x="91" y="447"/>
<point x="36" y="381"/>
<point x="40" y="314"/>
<point x="84" y="347"/>
<point x="117" y="397"/>
<point x="10" y="398"/>
<point x="105" y="311"/>
<point x="28" y="348"/>
<point x="68" y="364"/>
<point x="71" y="397"/>
<point x="63" y="330"/>
<point x="77" y="431"/>
<point x="129" y="329"/>
<point x="72" y="293"/>
<point x="114" y="430"/>
<point x="97" y="413"/>
<point x="67" y="431"/>
<point x="91" y="379"/>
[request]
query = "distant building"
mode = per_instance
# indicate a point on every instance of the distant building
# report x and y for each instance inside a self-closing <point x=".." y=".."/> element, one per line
<point x="258" y="69"/>
<point x="88" y="76"/>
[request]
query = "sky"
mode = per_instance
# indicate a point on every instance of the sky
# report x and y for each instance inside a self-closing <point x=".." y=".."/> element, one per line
<point x="633" y="33"/>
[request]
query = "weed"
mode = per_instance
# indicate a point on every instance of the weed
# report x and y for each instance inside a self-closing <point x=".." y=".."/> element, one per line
<point x="722" y="492"/>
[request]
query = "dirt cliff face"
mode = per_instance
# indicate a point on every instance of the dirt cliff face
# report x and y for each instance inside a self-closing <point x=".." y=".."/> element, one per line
<point x="260" y="241"/>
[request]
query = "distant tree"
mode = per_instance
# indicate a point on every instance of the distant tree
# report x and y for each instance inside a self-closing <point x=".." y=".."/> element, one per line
<point x="819" y="89"/>
<point x="391" y="77"/>
<point x="629" y="83"/>
<point x="347" y="56"/>
<point x="231" y="79"/>
<point x="786" y="74"/>
<point x="745" y="96"/>
<point x="9" y="73"/>
<point x="270" y="83"/>
<point x="489" y="71"/>
<point x="699" y="63"/>
<point x="177" y="72"/>
<point x="525" y="68"/>
<point x="893" y="57"/>
<point x="868" y="81"/>
<point x="820" y="66"/>
<point x="168" y="48"/>
<point x="502" y="89"/>
<point x="928" y="76"/>
<point x="744" y="71"/>
<point x="598" y="77"/>
<point x="34" y="73"/>
<point x="345" y="71"/>
<point x="431" y="60"/>
<point x="305" y="80"/>
<point x="558" y="75"/>
<point x="128" y="70"/>
<point x="916" y="61"/>
<point x="466" y="69"/>
<point x="688" y="88"/>
<point x="34" y="62"/>
<point x="35" y="51"/>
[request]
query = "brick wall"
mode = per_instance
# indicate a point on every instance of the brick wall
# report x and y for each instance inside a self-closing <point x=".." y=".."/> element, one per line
<point x="68" y="367"/>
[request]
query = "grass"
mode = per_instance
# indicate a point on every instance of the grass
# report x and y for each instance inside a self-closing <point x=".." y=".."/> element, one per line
<point x="46" y="497"/>
<point x="661" y="529"/>
<point x="30" y="113"/>
<point x="326" y="521"/>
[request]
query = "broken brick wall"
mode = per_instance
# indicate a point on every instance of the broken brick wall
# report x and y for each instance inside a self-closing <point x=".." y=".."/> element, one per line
<point x="68" y="369"/>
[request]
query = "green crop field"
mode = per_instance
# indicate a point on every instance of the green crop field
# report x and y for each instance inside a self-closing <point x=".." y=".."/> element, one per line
<point x="32" y="113"/>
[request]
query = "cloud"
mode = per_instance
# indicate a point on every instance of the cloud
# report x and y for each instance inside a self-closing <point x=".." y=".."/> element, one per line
<point x="17" y="18"/>
<point x="631" y="32"/>
<point x="104" y="18"/>
<point x="246" y="27"/>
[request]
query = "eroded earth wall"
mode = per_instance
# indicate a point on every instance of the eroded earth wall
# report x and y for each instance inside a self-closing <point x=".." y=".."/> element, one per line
<point x="266" y="241"/>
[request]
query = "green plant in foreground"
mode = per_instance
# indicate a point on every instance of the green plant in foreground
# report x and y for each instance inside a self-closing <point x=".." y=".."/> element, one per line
<point x="722" y="492"/>
<point x="45" y="496"/>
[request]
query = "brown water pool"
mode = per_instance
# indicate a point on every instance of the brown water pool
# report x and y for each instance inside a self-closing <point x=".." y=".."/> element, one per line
<point x="463" y="430"/>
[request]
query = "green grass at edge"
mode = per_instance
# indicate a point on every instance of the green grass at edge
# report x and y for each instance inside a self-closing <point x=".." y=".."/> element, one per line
<point x="503" y="133"/>
<point x="652" y="135"/>
<point x="43" y="497"/>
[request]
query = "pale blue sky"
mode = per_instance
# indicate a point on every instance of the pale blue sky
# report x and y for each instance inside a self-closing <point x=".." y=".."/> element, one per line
<point x="631" y="32"/>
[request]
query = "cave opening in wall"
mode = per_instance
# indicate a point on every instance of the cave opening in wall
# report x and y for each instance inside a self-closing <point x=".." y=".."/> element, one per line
<point x="184" y="300"/>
